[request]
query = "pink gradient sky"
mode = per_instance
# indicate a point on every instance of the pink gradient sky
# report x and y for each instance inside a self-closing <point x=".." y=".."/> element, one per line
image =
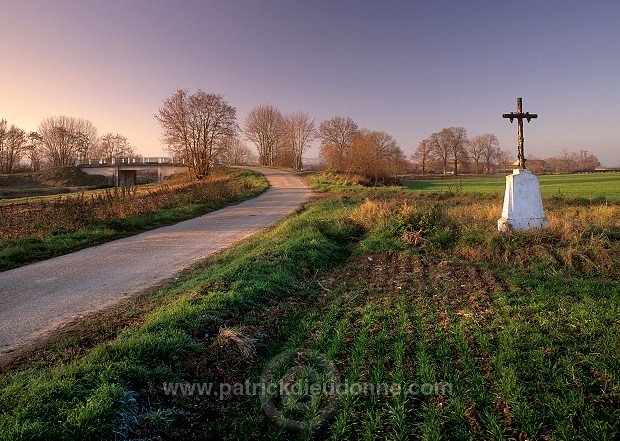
<point x="408" y="68"/>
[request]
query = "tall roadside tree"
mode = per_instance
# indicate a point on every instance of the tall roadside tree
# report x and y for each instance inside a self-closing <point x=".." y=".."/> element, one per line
<point x="363" y="155"/>
<point x="66" y="139"/>
<point x="299" y="133"/>
<point x="423" y="154"/>
<point x="195" y="128"/>
<point x="337" y="136"/>
<point x="482" y="147"/>
<point x="13" y="143"/>
<point x="265" y="127"/>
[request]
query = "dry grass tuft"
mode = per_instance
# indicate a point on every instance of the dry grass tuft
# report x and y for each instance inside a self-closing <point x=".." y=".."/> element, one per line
<point x="480" y="213"/>
<point x="244" y="343"/>
<point x="585" y="239"/>
<point x="413" y="238"/>
<point x="582" y="238"/>
<point x="371" y="213"/>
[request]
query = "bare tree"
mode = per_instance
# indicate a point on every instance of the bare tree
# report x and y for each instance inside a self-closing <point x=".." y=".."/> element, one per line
<point x="264" y="126"/>
<point x="375" y="155"/>
<point x="33" y="150"/>
<point x="483" y="147"/>
<point x="112" y="145"/>
<point x="12" y="146"/>
<point x="300" y="132"/>
<point x="195" y="128"/>
<point x="505" y="157"/>
<point x="440" y="149"/>
<point x="235" y="151"/>
<point x="423" y="154"/>
<point x="337" y="136"/>
<point x="59" y="144"/>
<point x="390" y="153"/>
<point x="66" y="139"/>
<point x="568" y="161"/>
<point x="362" y="155"/>
<point x="4" y="134"/>
<point x="587" y="161"/>
<point x="16" y="145"/>
<point x="454" y="140"/>
<point x="475" y="149"/>
<point x="491" y="152"/>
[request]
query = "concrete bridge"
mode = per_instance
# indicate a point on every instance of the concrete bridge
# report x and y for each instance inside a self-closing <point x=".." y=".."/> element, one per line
<point x="131" y="171"/>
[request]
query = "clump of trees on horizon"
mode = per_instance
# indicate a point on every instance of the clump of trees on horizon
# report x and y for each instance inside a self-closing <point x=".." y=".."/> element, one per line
<point x="347" y="148"/>
<point x="450" y="147"/>
<point x="280" y="139"/>
<point x="450" y="151"/>
<point x="202" y="129"/>
<point x="59" y="141"/>
<point x="568" y="161"/>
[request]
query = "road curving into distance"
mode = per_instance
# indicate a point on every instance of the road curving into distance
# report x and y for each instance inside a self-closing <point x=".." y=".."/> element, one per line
<point x="36" y="299"/>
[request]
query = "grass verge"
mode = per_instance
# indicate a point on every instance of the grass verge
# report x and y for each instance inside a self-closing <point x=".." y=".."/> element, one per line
<point x="107" y="389"/>
<point x="81" y="222"/>
<point x="441" y="327"/>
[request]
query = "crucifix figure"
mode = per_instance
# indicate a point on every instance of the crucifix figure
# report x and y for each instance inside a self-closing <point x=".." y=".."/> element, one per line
<point x="520" y="116"/>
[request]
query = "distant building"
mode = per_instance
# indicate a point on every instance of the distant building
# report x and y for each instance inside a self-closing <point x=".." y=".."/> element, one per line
<point x="607" y="169"/>
<point x="312" y="161"/>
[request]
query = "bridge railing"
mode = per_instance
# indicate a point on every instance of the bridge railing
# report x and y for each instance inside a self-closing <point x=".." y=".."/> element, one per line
<point x="140" y="160"/>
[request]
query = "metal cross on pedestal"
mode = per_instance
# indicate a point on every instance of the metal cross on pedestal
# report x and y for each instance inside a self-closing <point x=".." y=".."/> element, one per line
<point x="520" y="116"/>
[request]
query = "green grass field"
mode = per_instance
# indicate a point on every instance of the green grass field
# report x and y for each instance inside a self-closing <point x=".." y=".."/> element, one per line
<point x="431" y="323"/>
<point x="588" y="186"/>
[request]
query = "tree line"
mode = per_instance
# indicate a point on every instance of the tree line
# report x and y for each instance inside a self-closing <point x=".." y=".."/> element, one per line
<point x="347" y="148"/>
<point x="59" y="141"/>
<point x="569" y="161"/>
<point x="451" y="151"/>
<point x="202" y="129"/>
<point x="450" y="147"/>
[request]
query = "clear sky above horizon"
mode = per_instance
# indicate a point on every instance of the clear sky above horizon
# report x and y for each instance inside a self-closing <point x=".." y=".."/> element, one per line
<point x="409" y="68"/>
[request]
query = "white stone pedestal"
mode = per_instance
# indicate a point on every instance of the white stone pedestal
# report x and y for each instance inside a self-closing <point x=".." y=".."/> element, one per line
<point x="523" y="207"/>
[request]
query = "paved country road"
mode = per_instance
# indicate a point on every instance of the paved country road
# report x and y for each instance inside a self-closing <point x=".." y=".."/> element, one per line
<point x="36" y="299"/>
